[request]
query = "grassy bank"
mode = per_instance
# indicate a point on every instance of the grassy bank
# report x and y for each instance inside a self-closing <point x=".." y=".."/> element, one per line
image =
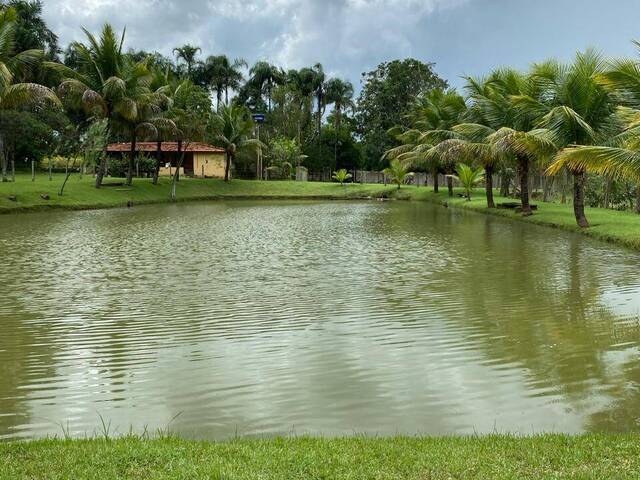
<point x="81" y="193"/>
<point x="618" y="227"/>
<point x="495" y="457"/>
<point x="612" y="226"/>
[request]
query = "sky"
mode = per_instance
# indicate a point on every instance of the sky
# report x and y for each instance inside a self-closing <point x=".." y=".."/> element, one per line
<point x="462" y="37"/>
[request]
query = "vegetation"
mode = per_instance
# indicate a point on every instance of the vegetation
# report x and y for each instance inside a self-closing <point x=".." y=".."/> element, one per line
<point x="341" y="176"/>
<point x="468" y="178"/>
<point x="496" y="457"/>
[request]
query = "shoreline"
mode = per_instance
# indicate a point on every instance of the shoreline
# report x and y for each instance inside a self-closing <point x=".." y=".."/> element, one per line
<point x="611" y="226"/>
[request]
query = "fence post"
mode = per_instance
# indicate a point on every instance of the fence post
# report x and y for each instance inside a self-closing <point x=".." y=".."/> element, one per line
<point x="50" y="173"/>
<point x="203" y="170"/>
<point x="33" y="170"/>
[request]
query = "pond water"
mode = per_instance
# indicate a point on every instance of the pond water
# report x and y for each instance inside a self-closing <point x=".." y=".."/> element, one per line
<point x="244" y="318"/>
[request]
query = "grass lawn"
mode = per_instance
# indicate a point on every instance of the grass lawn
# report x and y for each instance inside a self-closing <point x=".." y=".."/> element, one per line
<point x="619" y="227"/>
<point x="491" y="457"/>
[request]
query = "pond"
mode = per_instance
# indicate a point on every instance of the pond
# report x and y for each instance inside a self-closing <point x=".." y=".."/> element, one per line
<point x="330" y="318"/>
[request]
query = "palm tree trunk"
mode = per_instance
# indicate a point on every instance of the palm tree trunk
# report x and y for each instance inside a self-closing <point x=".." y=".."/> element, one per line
<point x="176" y="174"/>
<point x="132" y="154"/>
<point x="450" y="185"/>
<point x="3" y="159"/>
<point x="156" y="172"/>
<point x="227" y="164"/>
<point x="335" y="146"/>
<point x="488" y="178"/>
<point x="435" y="181"/>
<point x="226" y="95"/>
<point x="579" y="179"/>
<point x="523" y="162"/>
<point x="607" y="192"/>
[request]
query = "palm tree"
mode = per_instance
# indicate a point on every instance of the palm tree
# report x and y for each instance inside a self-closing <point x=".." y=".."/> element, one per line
<point x="266" y="76"/>
<point x="187" y="53"/>
<point x="397" y="172"/>
<point x="432" y="117"/>
<point x="107" y="84"/>
<point x="468" y="177"/>
<point x="341" y="176"/>
<point x="501" y="128"/>
<point x="302" y="85"/>
<point x="616" y="155"/>
<point x="340" y="94"/>
<point x="223" y="75"/>
<point x="13" y="94"/>
<point x="232" y="130"/>
<point x="577" y="110"/>
<point x="319" y="92"/>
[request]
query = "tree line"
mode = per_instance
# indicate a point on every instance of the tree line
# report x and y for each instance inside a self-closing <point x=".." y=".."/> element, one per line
<point x="50" y="98"/>
<point x="569" y="126"/>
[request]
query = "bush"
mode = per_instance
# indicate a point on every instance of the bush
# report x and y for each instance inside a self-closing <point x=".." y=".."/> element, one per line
<point x="118" y="165"/>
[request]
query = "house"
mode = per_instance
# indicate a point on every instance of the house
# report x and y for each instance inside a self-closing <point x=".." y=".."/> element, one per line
<point x="200" y="159"/>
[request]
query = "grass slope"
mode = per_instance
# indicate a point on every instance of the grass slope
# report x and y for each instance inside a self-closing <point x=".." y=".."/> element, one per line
<point x="495" y="457"/>
<point x="619" y="227"/>
<point x="81" y="193"/>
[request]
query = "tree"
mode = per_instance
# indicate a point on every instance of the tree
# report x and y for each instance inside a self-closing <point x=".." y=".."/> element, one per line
<point x="596" y="145"/>
<point x="397" y="173"/>
<point x="187" y="53"/>
<point x="430" y="143"/>
<point x="221" y="75"/>
<point x="576" y="110"/>
<point x="340" y="94"/>
<point x="386" y="97"/>
<point x="107" y="84"/>
<point x="468" y="177"/>
<point x="284" y="154"/>
<point x="13" y="94"/>
<point x="341" y="176"/>
<point x="232" y="128"/>
<point x="264" y="77"/>
<point x="501" y="129"/>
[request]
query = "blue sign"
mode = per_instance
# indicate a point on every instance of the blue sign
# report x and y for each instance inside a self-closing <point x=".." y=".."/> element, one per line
<point x="258" y="117"/>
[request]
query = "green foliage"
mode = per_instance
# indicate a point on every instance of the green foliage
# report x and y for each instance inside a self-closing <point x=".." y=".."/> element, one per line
<point x="397" y="173"/>
<point x="232" y="128"/>
<point x="341" y="176"/>
<point x="468" y="178"/>
<point x="385" y="99"/>
<point x="283" y="155"/>
<point x="27" y="136"/>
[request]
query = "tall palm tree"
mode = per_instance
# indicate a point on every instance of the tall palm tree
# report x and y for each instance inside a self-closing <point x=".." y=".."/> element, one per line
<point x="107" y="84"/>
<point x="232" y="130"/>
<point x="187" y="53"/>
<point x="319" y="92"/>
<point x="617" y="153"/>
<point x="340" y="94"/>
<point x="266" y="76"/>
<point x="12" y="93"/>
<point x="500" y="127"/>
<point x="223" y="75"/>
<point x="576" y="110"/>
<point x="431" y="143"/>
<point x="302" y="85"/>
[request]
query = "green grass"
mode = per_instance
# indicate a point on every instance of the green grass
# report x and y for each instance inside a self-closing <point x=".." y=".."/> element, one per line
<point x="490" y="457"/>
<point x="619" y="227"/>
<point x="612" y="226"/>
<point x="81" y="193"/>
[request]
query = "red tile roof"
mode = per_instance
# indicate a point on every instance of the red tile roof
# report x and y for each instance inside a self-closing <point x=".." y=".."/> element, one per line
<point x="165" y="147"/>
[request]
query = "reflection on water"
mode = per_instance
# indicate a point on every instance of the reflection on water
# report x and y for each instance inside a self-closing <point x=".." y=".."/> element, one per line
<point x="333" y="318"/>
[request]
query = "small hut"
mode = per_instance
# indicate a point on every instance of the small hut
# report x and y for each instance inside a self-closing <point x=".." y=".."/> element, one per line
<point x="200" y="159"/>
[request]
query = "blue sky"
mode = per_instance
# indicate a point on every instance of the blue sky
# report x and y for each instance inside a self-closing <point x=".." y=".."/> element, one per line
<point x="463" y="37"/>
